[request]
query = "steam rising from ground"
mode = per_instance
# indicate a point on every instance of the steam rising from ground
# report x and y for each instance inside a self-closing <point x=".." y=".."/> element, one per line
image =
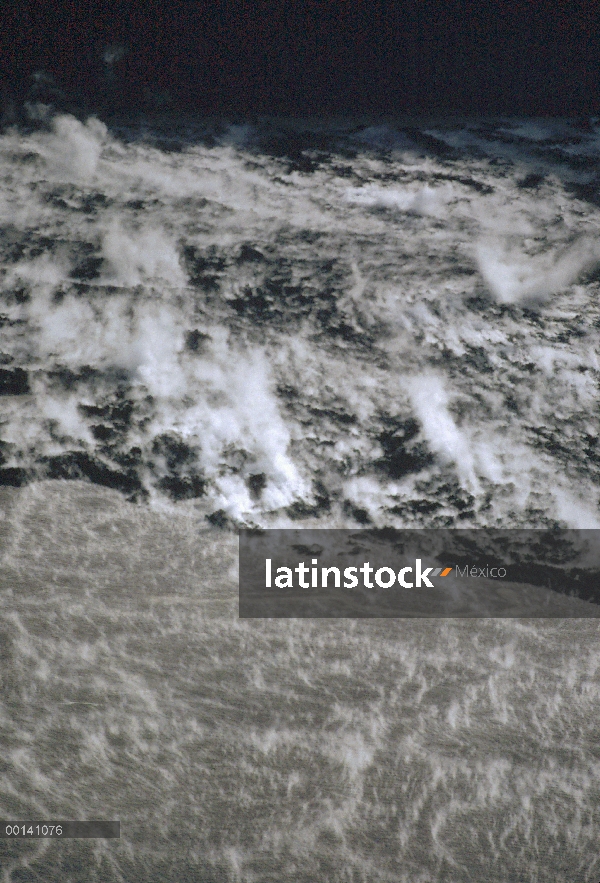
<point x="430" y="403"/>
<point x="292" y="321"/>
<point x="72" y="150"/>
<point x="533" y="280"/>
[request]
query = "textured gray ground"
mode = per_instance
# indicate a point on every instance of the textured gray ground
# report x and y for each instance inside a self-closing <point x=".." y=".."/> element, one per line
<point x="278" y="750"/>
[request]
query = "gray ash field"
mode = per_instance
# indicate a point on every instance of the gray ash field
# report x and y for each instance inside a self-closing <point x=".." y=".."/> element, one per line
<point x="291" y="323"/>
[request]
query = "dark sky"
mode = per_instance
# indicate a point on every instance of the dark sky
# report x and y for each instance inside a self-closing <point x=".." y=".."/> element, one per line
<point x="317" y="56"/>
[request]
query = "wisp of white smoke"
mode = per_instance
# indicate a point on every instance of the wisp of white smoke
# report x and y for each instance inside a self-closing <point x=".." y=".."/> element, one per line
<point x="517" y="278"/>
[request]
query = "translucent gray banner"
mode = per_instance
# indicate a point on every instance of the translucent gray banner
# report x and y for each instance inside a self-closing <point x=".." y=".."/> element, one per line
<point x="419" y="573"/>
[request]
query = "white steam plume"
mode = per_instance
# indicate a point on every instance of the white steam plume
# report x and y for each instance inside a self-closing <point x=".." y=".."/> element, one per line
<point x="517" y="278"/>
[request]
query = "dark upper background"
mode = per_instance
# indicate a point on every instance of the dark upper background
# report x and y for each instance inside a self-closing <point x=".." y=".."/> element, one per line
<point x="316" y="56"/>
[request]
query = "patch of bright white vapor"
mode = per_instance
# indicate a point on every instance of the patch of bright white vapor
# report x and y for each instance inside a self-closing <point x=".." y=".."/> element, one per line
<point x="221" y="402"/>
<point x="231" y="414"/>
<point x="42" y="274"/>
<point x="60" y="413"/>
<point x="146" y="253"/>
<point x="576" y="510"/>
<point x="424" y="201"/>
<point x="517" y="278"/>
<point x="430" y="402"/>
<point x="73" y="149"/>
